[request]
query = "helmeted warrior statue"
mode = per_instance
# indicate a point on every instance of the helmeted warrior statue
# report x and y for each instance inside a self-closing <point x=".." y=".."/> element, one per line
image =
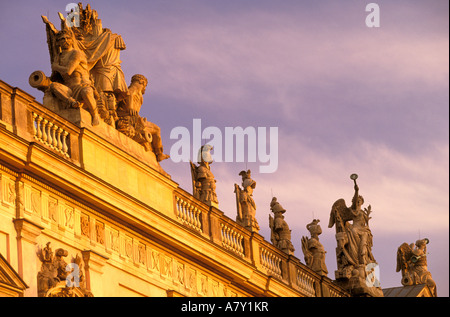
<point x="356" y="264"/>
<point x="203" y="181"/>
<point x="246" y="207"/>
<point x="412" y="262"/>
<point x="313" y="250"/>
<point x="280" y="232"/>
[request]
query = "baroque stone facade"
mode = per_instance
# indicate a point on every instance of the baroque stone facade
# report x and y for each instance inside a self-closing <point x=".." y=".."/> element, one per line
<point x="71" y="224"/>
<point x="141" y="236"/>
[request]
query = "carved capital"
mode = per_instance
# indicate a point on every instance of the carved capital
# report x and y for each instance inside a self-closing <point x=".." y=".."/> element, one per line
<point x="93" y="260"/>
<point x="27" y="230"/>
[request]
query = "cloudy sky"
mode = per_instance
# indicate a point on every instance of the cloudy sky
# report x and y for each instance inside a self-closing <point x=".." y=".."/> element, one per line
<point x="345" y="98"/>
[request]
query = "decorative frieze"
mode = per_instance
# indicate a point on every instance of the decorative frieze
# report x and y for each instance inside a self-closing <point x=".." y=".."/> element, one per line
<point x="69" y="217"/>
<point x="180" y="274"/>
<point x="85" y="228"/>
<point x="191" y="279"/>
<point x="128" y="247"/>
<point x="99" y="233"/>
<point x="36" y="202"/>
<point x="114" y="240"/>
<point x="166" y="266"/>
<point x="7" y="190"/>
<point x="53" y="210"/>
<point x="203" y="285"/>
<point x="142" y="258"/>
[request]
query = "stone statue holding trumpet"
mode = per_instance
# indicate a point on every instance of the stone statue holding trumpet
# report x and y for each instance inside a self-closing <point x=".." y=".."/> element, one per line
<point x="354" y="244"/>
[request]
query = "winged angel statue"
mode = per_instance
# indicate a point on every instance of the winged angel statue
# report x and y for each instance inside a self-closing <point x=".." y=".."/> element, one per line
<point x="412" y="262"/>
<point x="354" y="240"/>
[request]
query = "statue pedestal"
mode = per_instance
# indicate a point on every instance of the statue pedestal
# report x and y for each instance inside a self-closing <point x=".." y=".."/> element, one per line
<point x="82" y="119"/>
<point x="358" y="282"/>
<point x="362" y="288"/>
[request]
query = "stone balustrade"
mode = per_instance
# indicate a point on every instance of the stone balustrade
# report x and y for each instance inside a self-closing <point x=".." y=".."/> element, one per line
<point x="306" y="282"/>
<point x="50" y="134"/>
<point x="22" y="115"/>
<point x="271" y="262"/>
<point x="232" y="237"/>
<point x="232" y="240"/>
<point x="189" y="214"/>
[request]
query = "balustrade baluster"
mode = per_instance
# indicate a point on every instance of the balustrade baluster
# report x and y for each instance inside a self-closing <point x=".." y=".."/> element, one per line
<point x="182" y="211"/>
<point x="65" y="148"/>
<point x="34" y="125"/>
<point x="197" y="218"/>
<point x="54" y="139"/>
<point x="59" y="145"/>
<point x="38" y="126"/>
<point x="49" y="134"/>
<point x="177" y="206"/>
<point x="44" y="131"/>
<point x="191" y="218"/>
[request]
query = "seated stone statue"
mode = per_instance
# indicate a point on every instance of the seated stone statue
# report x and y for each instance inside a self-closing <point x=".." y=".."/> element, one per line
<point x="87" y="73"/>
<point x="74" y="88"/>
<point x="134" y="126"/>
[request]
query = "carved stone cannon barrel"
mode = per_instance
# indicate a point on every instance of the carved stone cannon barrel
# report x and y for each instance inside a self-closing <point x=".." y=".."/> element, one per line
<point x="39" y="80"/>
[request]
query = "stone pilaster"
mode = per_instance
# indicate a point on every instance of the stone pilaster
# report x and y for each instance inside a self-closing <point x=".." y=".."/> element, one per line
<point x="93" y="266"/>
<point x="27" y="233"/>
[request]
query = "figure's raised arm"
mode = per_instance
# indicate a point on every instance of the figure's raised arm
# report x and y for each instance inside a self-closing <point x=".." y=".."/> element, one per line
<point x="355" y="197"/>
